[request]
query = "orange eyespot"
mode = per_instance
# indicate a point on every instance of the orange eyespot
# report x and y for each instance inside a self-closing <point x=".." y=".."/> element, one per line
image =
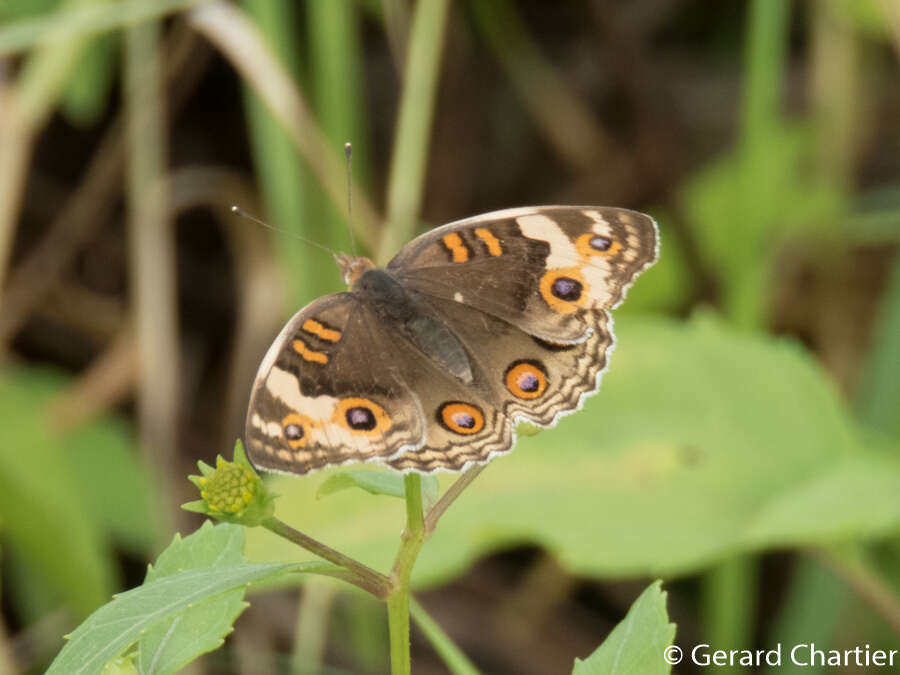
<point x="460" y="418"/>
<point x="602" y="245"/>
<point x="362" y="416"/>
<point x="295" y="429"/>
<point x="526" y="379"/>
<point x="564" y="289"/>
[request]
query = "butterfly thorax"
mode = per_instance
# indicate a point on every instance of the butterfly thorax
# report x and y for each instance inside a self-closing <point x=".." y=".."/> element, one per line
<point x="352" y="267"/>
<point x="414" y="318"/>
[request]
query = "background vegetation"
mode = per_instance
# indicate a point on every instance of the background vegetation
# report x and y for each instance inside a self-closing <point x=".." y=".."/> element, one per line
<point x="745" y="446"/>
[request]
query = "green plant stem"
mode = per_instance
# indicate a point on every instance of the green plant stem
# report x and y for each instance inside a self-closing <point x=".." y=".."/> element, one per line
<point x="865" y="580"/>
<point x="395" y="17"/>
<point x="360" y="575"/>
<point x="729" y="605"/>
<point x="449" y="497"/>
<point x="398" y="629"/>
<point x="456" y="662"/>
<point x="812" y="609"/>
<point x="414" y="124"/>
<point x="285" y="182"/>
<point x="398" y="602"/>
<point x="393" y="589"/>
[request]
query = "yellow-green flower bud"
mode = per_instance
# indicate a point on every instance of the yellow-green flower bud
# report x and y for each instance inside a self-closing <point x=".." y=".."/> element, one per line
<point x="232" y="491"/>
<point x="230" y="488"/>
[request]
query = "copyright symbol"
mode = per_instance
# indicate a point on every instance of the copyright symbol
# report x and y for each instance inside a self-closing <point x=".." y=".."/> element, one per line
<point x="673" y="655"/>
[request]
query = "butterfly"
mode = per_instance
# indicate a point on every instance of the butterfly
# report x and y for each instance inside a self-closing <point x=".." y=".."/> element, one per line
<point x="430" y="363"/>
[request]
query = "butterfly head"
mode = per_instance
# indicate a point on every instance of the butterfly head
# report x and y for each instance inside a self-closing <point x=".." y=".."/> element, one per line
<point x="352" y="267"/>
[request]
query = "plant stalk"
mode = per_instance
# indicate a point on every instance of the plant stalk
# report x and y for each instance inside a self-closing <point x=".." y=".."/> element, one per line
<point x="398" y="601"/>
<point x="865" y="580"/>
<point x="410" y="154"/>
<point x="449" y="497"/>
<point x="360" y="575"/>
<point x="452" y="656"/>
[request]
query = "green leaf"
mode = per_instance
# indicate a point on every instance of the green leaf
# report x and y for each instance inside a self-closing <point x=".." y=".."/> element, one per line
<point x="18" y="9"/>
<point x="376" y="482"/>
<point x="636" y="645"/>
<point x="171" y="644"/>
<point x="288" y="190"/>
<point x="820" y="509"/>
<point x="697" y="440"/>
<point x="372" y="481"/>
<point x="123" y="665"/>
<point x="84" y="19"/>
<point x="120" y="623"/>
<point x="67" y="493"/>
<point x="125" y="502"/>
<point x="62" y="495"/>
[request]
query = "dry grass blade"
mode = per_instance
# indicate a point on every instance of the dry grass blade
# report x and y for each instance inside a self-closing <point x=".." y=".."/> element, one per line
<point x="89" y="207"/>
<point x="152" y="255"/>
<point x="109" y="379"/>
<point x="24" y="109"/>
<point x="396" y="27"/>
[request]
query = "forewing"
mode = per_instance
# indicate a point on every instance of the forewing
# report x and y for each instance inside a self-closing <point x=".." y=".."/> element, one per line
<point x="327" y="393"/>
<point x="537" y="268"/>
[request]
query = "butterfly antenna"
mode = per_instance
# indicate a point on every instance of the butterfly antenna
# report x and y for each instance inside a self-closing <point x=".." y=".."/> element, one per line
<point x="243" y="214"/>
<point x="348" y="153"/>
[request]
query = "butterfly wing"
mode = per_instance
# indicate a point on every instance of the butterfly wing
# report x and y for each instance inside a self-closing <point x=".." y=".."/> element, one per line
<point x="537" y="347"/>
<point x="524" y="292"/>
<point x="517" y="377"/>
<point x="538" y="268"/>
<point x="326" y="393"/>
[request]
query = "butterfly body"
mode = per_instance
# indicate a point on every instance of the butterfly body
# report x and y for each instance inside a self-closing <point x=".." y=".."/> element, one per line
<point x="414" y="319"/>
<point x="429" y="363"/>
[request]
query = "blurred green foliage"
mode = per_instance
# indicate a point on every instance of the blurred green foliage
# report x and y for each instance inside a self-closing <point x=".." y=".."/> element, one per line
<point x="67" y="498"/>
<point x="710" y="440"/>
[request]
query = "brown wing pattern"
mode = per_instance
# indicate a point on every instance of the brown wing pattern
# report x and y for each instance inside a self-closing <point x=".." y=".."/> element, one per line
<point x="524" y="292"/>
<point x="325" y="393"/>
<point x="524" y="378"/>
<point x="533" y="267"/>
<point x="527" y="291"/>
